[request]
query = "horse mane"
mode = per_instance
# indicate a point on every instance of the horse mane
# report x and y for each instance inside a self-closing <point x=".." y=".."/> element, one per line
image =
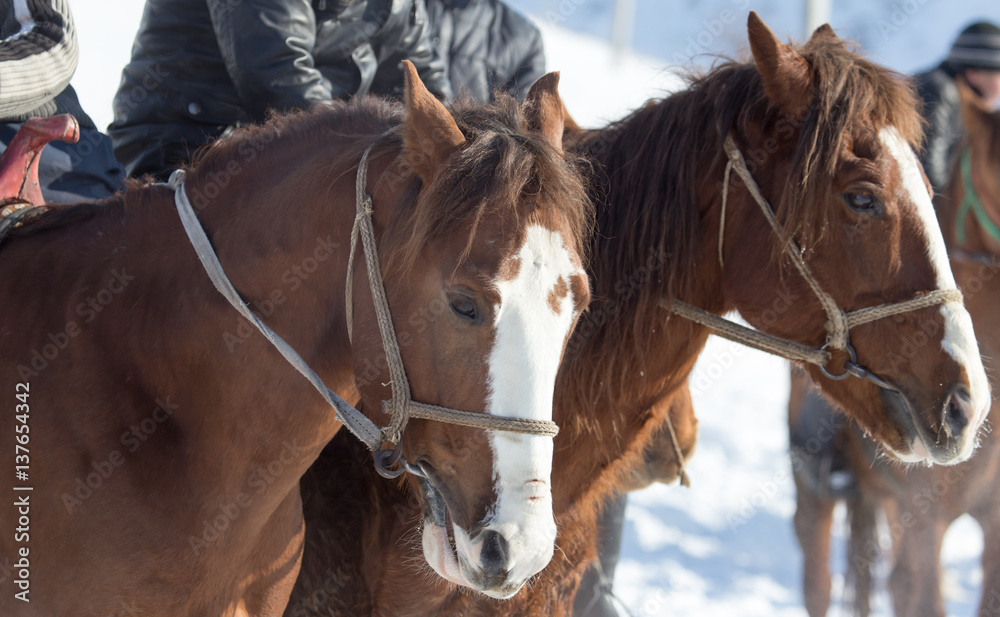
<point x="503" y="168"/>
<point x="667" y="156"/>
<point x="501" y="162"/>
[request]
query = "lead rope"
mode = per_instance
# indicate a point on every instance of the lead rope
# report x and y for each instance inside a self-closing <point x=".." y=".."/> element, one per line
<point x="356" y="422"/>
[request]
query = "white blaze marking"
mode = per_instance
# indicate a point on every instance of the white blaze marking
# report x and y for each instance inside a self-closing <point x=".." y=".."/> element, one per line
<point x="522" y="368"/>
<point x="959" y="340"/>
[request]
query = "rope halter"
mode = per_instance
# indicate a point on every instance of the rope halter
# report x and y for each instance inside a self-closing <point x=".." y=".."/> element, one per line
<point x="839" y="323"/>
<point x="400" y="408"/>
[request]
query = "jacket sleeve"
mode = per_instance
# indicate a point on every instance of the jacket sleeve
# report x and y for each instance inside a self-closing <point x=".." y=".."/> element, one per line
<point x="37" y="63"/>
<point x="415" y="45"/>
<point x="941" y="113"/>
<point x="531" y="66"/>
<point x="267" y="46"/>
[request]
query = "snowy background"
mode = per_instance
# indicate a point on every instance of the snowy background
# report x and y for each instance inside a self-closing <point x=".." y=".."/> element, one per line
<point x="726" y="545"/>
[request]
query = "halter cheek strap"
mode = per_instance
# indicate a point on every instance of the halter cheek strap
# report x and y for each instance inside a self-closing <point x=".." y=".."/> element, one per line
<point x="839" y="322"/>
<point x="400" y="407"/>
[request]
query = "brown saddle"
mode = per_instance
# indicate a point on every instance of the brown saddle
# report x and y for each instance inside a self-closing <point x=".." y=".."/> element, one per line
<point x="20" y="193"/>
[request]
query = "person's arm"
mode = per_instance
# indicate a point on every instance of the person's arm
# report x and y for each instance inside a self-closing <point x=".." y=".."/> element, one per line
<point x="940" y="106"/>
<point x="415" y="46"/>
<point x="37" y="62"/>
<point x="267" y="46"/>
<point x="530" y="68"/>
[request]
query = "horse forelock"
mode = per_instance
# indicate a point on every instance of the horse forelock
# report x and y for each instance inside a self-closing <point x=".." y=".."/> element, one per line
<point x="852" y="97"/>
<point x="503" y="169"/>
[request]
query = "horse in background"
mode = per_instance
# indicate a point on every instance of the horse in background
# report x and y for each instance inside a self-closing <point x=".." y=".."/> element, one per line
<point x="165" y="439"/>
<point x="921" y="503"/>
<point x="830" y="136"/>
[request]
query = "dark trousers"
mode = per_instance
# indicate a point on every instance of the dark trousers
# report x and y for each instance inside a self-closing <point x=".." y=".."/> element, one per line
<point x="594" y="597"/>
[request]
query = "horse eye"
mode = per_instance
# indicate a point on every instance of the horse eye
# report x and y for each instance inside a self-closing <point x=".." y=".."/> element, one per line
<point x="861" y="200"/>
<point x="463" y="307"/>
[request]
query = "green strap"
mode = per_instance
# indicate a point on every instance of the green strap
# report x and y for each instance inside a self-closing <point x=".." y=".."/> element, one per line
<point x="972" y="203"/>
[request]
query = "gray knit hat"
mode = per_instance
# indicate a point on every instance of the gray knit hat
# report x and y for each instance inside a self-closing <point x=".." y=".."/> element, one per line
<point x="978" y="47"/>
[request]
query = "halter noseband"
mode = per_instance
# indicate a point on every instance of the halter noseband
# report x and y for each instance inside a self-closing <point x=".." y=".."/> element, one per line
<point x="400" y="407"/>
<point x="839" y="322"/>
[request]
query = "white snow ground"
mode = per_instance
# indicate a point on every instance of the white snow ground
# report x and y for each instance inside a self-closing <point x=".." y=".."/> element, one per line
<point x="725" y="546"/>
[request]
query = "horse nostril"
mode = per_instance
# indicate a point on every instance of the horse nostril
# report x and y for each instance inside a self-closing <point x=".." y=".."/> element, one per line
<point x="957" y="411"/>
<point x="493" y="558"/>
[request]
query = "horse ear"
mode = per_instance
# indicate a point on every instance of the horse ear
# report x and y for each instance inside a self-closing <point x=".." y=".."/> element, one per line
<point x="431" y="133"/>
<point x="976" y="115"/>
<point x="824" y="32"/>
<point x="545" y="111"/>
<point x="787" y="79"/>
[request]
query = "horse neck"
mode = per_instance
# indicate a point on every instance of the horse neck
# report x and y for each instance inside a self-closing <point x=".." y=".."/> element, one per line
<point x="628" y="354"/>
<point x="283" y="245"/>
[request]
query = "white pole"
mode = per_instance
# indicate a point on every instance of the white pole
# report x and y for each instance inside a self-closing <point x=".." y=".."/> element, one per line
<point x="817" y="14"/>
<point x="621" y="30"/>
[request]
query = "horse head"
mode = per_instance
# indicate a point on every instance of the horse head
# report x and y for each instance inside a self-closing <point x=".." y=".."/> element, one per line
<point x="485" y="280"/>
<point x="830" y="141"/>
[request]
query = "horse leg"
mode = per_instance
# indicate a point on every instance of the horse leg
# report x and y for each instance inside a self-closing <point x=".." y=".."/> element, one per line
<point x="862" y="549"/>
<point x="280" y="549"/>
<point x="915" y="582"/>
<point x="594" y="598"/>
<point x="990" y="604"/>
<point x="813" y="522"/>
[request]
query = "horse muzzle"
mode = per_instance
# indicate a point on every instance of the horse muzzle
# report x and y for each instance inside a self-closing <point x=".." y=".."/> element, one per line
<point x="946" y="437"/>
<point x="492" y="562"/>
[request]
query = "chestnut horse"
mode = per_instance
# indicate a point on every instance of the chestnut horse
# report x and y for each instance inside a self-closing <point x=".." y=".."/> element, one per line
<point x="161" y="439"/>
<point x="830" y="137"/>
<point x="921" y="503"/>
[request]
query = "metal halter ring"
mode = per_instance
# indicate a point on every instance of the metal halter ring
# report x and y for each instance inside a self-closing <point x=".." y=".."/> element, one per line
<point x="853" y="369"/>
<point x="388" y="457"/>
<point x="850" y="367"/>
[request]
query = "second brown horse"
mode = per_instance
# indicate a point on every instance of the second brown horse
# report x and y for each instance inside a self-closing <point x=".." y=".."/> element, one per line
<point x="828" y="136"/>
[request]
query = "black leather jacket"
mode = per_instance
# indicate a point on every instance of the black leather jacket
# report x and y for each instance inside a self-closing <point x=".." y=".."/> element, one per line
<point x="943" y="112"/>
<point x="200" y="67"/>
<point x="487" y="46"/>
